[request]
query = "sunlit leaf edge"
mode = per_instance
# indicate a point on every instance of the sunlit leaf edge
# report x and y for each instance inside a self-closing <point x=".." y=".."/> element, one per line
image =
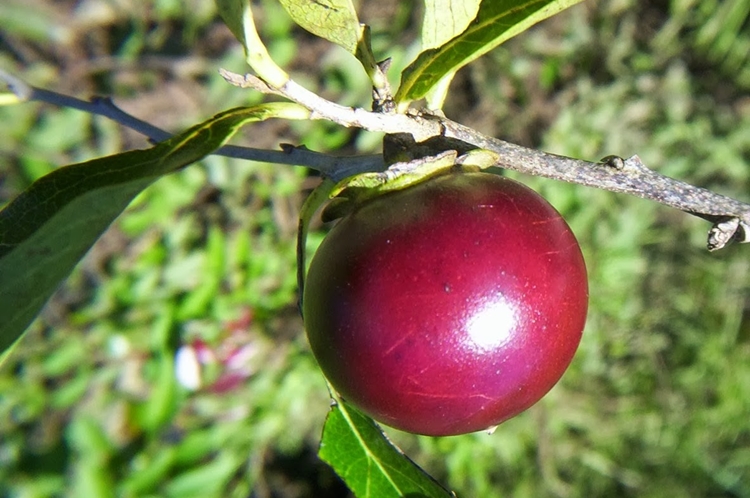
<point x="345" y="425"/>
<point x="431" y="65"/>
<point x="39" y="245"/>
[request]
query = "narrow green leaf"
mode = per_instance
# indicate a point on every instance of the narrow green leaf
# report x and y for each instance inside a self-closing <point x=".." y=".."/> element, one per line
<point x="91" y="479"/>
<point x="209" y="479"/>
<point x="334" y="20"/>
<point x="444" y="19"/>
<point x="238" y="16"/>
<point x="149" y="476"/>
<point x="88" y="439"/>
<point x="163" y="402"/>
<point x="368" y="462"/>
<point x="48" y="228"/>
<point x="232" y="13"/>
<point x="496" y="22"/>
<point x="91" y="476"/>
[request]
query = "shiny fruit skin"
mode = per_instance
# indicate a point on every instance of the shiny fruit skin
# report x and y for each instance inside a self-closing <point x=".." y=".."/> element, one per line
<point x="447" y="307"/>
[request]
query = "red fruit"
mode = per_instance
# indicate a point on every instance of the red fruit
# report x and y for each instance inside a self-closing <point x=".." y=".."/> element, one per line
<point x="447" y="307"/>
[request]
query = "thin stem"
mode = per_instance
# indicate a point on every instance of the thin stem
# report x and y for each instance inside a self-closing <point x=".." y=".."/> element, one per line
<point x="295" y="156"/>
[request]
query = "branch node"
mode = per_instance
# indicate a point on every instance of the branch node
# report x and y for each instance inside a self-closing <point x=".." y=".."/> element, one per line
<point x="291" y="148"/>
<point x="634" y="164"/>
<point x="727" y="231"/>
<point x="20" y="88"/>
<point x="615" y="162"/>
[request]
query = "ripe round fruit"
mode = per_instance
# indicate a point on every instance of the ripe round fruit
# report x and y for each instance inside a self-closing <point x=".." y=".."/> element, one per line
<point x="447" y="307"/>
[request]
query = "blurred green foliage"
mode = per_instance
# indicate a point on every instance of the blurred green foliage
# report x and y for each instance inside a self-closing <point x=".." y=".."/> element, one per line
<point x="657" y="401"/>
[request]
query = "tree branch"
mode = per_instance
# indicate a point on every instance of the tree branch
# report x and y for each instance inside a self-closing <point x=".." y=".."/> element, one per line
<point x="289" y="154"/>
<point x="730" y="218"/>
<point x="345" y="116"/>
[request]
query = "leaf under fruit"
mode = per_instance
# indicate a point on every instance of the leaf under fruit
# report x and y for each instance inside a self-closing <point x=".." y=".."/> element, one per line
<point x="368" y="462"/>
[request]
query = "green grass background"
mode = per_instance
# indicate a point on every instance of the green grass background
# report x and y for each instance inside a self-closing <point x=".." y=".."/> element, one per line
<point x="657" y="401"/>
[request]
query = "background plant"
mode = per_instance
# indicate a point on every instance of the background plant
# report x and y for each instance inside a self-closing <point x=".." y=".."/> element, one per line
<point x="657" y="398"/>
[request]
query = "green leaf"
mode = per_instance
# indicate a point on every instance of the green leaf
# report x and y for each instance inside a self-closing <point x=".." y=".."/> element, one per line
<point x="334" y="20"/>
<point x="444" y="19"/>
<point x="496" y="22"/>
<point x="238" y="16"/>
<point x="150" y="475"/>
<point x="233" y="13"/>
<point x="48" y="228"/>
<point x="337" y="22"/>
<point x="209" y="479"/>
<point x="89" y="440"/>
<point x="368" y="462"/>
<point x="161" y="405"/>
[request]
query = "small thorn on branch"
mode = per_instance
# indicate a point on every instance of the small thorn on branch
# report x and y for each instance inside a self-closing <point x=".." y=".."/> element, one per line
<point x="385" y="64"/>
<point x="615" y="162"/>
<point x="630" y="165"/>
